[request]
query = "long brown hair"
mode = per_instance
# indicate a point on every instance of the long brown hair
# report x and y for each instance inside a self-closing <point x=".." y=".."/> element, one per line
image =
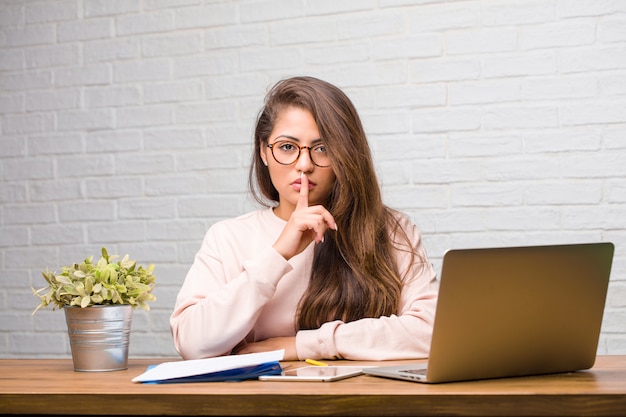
<point x="354" y="273"/>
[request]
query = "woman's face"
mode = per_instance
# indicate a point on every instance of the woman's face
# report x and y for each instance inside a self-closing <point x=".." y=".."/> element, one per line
<point x="297" y="126"/>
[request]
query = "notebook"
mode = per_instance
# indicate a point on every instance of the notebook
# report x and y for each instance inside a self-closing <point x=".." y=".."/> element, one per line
<point x="514" y="311"/>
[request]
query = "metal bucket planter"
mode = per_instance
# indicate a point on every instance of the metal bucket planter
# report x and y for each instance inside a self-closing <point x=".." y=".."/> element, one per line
<point x="99" y="336"/>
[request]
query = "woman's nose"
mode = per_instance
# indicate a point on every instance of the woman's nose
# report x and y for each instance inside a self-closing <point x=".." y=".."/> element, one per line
<point x="304" y="162"/>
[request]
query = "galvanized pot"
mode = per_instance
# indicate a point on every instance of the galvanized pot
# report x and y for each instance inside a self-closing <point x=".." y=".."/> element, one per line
<point x="99" y="336"/>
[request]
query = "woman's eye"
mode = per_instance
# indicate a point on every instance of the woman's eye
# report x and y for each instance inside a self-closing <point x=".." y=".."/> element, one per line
<point x="320" y="149"/>
<point x="287" y="147"/>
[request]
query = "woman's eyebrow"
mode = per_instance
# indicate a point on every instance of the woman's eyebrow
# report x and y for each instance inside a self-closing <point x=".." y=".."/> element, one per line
<point x="314" y="141"/>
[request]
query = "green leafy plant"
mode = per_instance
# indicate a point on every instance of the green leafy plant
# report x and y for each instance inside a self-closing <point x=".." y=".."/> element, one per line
<point x="103" y="283"/>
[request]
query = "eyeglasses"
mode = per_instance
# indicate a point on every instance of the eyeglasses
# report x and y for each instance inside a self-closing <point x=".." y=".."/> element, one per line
<point x="286" y="152"/>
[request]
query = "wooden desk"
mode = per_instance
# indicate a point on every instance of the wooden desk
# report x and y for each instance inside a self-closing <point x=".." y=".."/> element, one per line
<point x="52" y="387"/>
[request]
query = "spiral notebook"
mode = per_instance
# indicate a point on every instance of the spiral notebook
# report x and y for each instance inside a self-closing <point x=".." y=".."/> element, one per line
<point x="515" y="311"/>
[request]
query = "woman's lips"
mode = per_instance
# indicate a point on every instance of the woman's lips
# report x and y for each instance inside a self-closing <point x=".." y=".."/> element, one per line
<point x="297" y="183"/>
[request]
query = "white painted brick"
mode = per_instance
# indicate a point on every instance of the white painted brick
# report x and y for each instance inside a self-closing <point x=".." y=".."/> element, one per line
<point x="27" y="81"/>
<point x="207" y="16"/>
<point x="559" y="87"/>
<point x="236" y="36"/>
<point x="117" y="140"/>
<point x="166" y="4"/>
<point x="462" y="145"/>
<point x="521" y="117"/>
<point x="44" y="343"/>
<point x="269" y="10"/>
<point x="594" y="113"/>
<point x="387" y="122"/>
<point x="522" y="168"/>
<point x="594" y="165"/>
<point x="77" y="211"/>
<point x="447" y="119"/>
<point x="172" y="45"/>
<point x="612" y="29"/>
<point x="523" y="218"/>
<point x="614" y="137"/>
<point x="576" y="8"/>
<point x="381" y="24"/>
<point x="563" y="193"/>
<point x="11" y="104"/>
<point x="499" y="13"/>
<point x="420" y="197"/>
<point x="315" y="31"/>
<point x="84" y="30"/>
<point x="73" y="120"/>
<point x="582" y="138"/>
<point x="54" y="143"/>
<point x="113" y="187"/>
<point x="143" y="164"/>
<point x="468" y="219"/>
<point x="12" y="14"/>
<point x="28" y="215"/>
<point x="85" y="166"/>
<point x="210" y="206"/>
<point x="153" y="208"/>
<point x="51" y="11"/>
<point x="346" y="52"/>
<point x="31" y="168"/>
<point x="425" y="71"/>
<point x="117" y="232"/>
<point x="52" y="56"/>
<point x="609" y="217"/>
<point x="417" y="46"/>
<point x="175" y="185"/>
<point x="219" y="63"/>
<point x="592" y="59"/>
<point x="55" y="190"/>
<point x="188" y="91"/>
<point x="575" y="33"/>
<point x="28" y="35"/>
<point x="11" y="60"/>
<point x="144" y="116"/>
<point x="206" y="113"/>
<point x="402" y="96"/>
<point x="485" y="195"/>
<point x="14" y="192"/>
<point x="172" y="139"/>
<point x="27" y="123"/>
<point x="401" y="148"/>
<point x="110" y="51"/>
<point x="179" y="231"/>
<point x="228" y="182"/>
<point x="433" y="17"/>
<point x="528" y="64"/>
<point x="146" y="70"/>
<point x="30" y="257"/>
<point x="613" y="84"/>
<point x="262" y="59"/>
<point x="233" y="86"/>
<point x="112" y="96"/>
<point x="484" y="91"/>
<point x="151" y="22"/>
<point x="12" y="146"/>
<point x="52" y="100"/>
<point x="83" y="76"/>
<point x="481" y="41"/>
<point x="57" y="234"/>
<point x="446" y="171"/>
<point x="11" y="236"/>
<point x="110" y="7"/>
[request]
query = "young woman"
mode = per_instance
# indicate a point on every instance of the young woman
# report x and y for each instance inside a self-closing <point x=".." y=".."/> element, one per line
<point x="326" y="271"/>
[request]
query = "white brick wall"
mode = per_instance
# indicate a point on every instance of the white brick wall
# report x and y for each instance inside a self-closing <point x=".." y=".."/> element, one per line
<point x="128" y="123"/>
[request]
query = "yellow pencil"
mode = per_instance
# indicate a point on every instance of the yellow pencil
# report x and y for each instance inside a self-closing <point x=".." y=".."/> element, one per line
<point x="316" y="363"/>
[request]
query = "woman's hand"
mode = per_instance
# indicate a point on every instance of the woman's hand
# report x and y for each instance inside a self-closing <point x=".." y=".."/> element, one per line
<point x="305" y="225"/>
<point x="275" y="343"/>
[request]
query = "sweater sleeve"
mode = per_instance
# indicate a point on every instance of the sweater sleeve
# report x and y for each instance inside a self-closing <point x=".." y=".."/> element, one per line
<point x="406" y="335"/>
<point x="218" y="304"/>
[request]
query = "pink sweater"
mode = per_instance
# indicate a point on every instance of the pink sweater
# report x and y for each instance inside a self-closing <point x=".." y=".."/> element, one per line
<point x="239" y="289"/>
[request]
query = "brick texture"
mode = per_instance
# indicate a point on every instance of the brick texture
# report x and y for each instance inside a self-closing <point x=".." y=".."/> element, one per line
<point x="128" y="123"/>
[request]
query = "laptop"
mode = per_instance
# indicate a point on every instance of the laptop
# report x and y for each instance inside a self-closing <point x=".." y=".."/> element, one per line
<point x="514" y="311"/>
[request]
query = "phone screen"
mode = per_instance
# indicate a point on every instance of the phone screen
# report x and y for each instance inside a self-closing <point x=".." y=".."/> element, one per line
<point x="315" y="373"/>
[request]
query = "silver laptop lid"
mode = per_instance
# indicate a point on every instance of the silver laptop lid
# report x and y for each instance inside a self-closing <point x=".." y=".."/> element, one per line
<point x="519" y="311"/>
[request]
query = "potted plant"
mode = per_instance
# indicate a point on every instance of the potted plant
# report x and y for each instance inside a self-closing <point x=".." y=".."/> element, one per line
<point x="98" y="300"/>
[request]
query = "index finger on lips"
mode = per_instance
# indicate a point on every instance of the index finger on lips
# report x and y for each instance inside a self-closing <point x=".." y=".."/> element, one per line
<point x="303" y="199"/>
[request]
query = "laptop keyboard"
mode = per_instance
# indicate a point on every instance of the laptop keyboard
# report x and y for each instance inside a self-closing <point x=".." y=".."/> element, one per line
<point x="415" y="371"/>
